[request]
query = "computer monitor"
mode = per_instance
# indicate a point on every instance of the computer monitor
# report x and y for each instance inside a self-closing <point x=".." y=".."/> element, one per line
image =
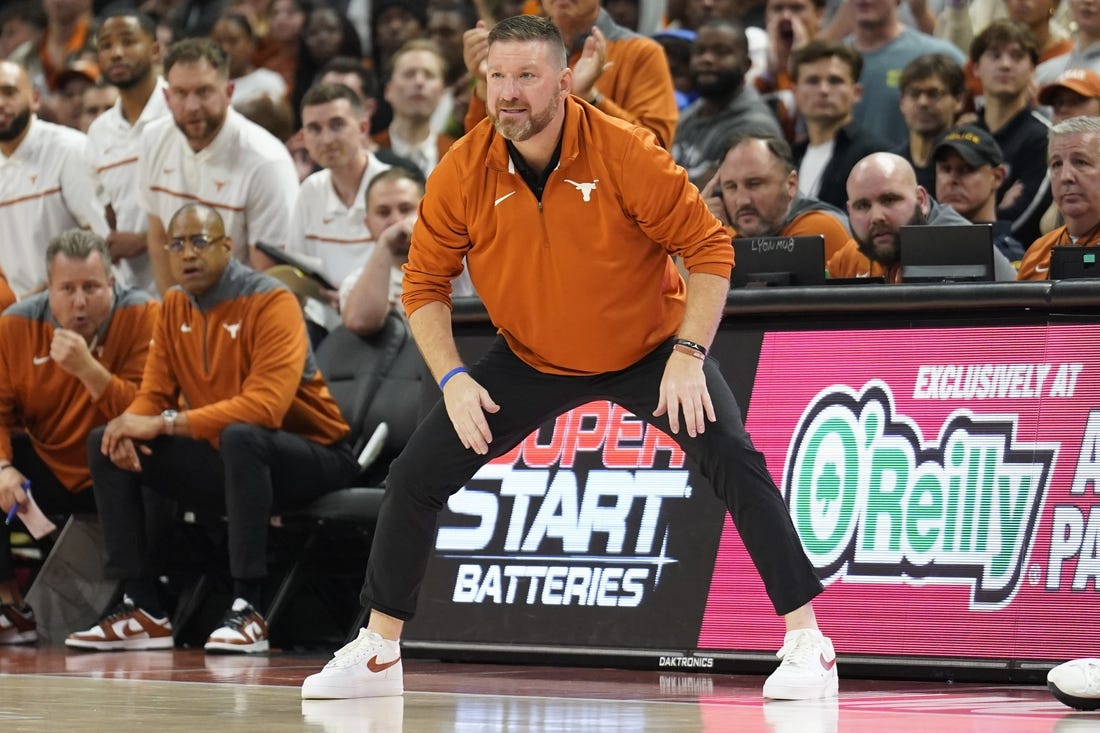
<point x="938" y="253"/>
<point x="771" y="261"/>
<point x="1072" y="261"/>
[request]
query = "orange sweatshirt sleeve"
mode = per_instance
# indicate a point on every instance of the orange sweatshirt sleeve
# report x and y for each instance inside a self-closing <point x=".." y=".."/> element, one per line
<point x="670" y="210"/>
<point x="449" y="241"/>
<point x="159" y="389"/>
<point x="135" y="325"/>
<point x="278" y="355"/>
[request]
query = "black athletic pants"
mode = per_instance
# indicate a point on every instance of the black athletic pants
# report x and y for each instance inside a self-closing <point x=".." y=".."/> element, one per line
<point x="255" y="473"/>
<point x="435" y="465"/>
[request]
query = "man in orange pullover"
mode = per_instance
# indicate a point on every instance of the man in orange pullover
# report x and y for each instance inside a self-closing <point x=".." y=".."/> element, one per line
<point x="232" y="416"/>
<point x="71" y="361"/>
<point x="547" y="208"/>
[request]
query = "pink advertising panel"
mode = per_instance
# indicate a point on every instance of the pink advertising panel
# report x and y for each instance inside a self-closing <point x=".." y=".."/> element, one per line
<point x="945" y="484"/>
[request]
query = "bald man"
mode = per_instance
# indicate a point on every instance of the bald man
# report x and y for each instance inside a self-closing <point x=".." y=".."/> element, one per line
<point x="260" y="433"/>
<point x="883" y="196"/>
<point x="47" y="185"/>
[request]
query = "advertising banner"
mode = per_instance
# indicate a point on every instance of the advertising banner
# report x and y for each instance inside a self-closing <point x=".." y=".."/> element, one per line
<point x="589" y="533"/>
<point x="945" y="483"/>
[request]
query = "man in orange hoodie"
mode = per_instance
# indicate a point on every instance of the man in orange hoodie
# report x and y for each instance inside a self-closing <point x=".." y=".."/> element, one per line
<point x="546" y="205"/>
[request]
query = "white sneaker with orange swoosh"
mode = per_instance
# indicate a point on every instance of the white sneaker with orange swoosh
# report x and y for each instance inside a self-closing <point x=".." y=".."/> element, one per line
<point x="808" y="669"/>
<point x="125" y="628"/>
<point x="369" y="666"/>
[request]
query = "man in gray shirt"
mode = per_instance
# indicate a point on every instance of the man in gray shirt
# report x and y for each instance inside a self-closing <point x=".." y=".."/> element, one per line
<point x="725" y="105"/>
<point x="886" y="47"/>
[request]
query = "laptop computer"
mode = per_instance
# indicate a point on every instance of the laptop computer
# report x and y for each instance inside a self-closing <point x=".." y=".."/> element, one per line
<point x="933" y="253"/>
<point x="1070" y="261"/>
<point x="772" y="261"/>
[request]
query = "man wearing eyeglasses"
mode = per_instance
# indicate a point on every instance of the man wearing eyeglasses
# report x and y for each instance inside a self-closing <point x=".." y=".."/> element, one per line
<point x="232" y="416"/>
<point x="932" y="94"/>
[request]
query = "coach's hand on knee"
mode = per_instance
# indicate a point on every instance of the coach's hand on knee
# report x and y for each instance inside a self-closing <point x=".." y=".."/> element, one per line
<point x="467" y="402"/>
<point x="684" y="387"/>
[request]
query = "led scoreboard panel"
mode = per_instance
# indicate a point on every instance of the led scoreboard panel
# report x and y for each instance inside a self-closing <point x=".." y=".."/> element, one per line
<point x="944" y="479"/>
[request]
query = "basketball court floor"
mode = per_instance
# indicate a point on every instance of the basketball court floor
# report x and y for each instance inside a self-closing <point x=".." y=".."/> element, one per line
<point x="46" y="688"/>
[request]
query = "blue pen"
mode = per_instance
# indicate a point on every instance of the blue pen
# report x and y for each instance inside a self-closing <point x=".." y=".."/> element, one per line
<point x="15" y="506"/>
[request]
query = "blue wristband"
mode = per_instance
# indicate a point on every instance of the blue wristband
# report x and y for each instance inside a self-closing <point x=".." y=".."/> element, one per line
<point x="448" y="375"/>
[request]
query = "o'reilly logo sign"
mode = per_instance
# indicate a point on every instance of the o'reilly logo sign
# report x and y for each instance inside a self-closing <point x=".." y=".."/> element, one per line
<point x="872" y="498"/>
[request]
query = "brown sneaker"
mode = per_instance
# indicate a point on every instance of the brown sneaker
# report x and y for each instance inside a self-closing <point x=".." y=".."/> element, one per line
<point x="128" y="628"/>
<point x="243" y="630"/>
<point x="17" y="625"/>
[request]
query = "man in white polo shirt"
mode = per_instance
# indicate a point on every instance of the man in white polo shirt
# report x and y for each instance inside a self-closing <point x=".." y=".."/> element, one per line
<point x="208" y="153"/>
<point x="128" y="54"/>
<point x="47" y="184"/>
<point x="329" y="218"/>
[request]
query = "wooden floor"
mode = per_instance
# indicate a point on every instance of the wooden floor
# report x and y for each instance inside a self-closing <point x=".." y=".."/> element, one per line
<point x="46" y="688"/>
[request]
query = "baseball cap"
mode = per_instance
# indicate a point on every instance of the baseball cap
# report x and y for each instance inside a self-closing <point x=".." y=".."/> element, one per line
<point x="1083" y="81"/>
<point x="76" y="69"/>
<point x="973" y="144"/>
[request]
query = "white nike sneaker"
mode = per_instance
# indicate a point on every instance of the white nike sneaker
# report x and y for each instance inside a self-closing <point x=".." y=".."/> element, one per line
<point x="808" y="669"/>
<point x="1076" y="683"/>
<point x="369" y="666"/>
<point x="243" y="630"/>
<point x="125" y="628"/>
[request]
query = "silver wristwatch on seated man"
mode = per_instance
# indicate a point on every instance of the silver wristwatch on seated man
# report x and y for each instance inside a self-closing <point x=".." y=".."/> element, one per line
<point x="169" y="417"/>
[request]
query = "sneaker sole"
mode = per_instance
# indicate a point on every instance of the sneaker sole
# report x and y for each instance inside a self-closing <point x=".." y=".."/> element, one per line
<point x="127" y="645"/>
<point x="23" y="637"/>
<point x="228" y="647"/>
<point x="1077" y="703"/>
<point x="327" y="690"/>
<point x="790" y="692"/>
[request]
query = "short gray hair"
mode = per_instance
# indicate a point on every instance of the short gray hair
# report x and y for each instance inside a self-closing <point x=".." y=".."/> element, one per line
<point x="78" y="244"/>
<point x="1075" y="126"/>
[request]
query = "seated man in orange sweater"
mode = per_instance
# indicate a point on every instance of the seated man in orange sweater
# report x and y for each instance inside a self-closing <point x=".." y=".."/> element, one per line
<point x="755" y="194"/>
<point x="72" y="360"/>
<point x="256" y="432"/>
<point x="1073" y="159"/>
